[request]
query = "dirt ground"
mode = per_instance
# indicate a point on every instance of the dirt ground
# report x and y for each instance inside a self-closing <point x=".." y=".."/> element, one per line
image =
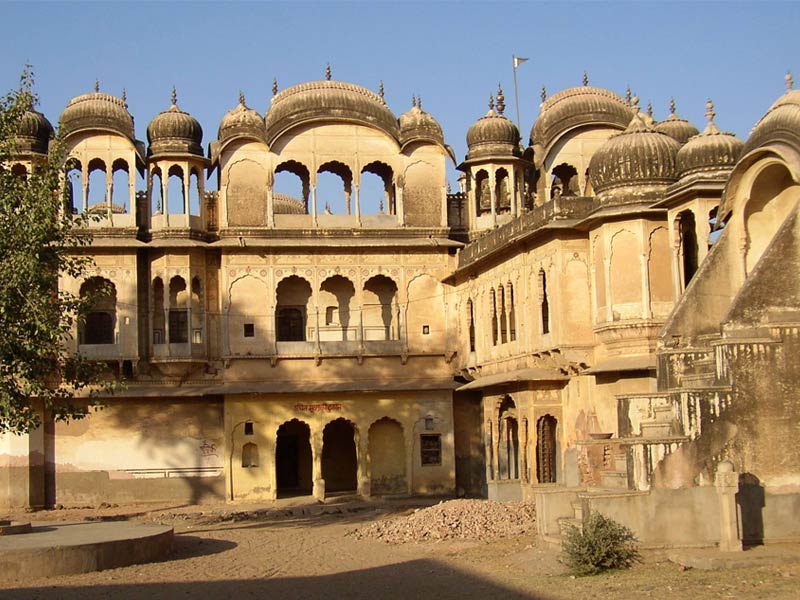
<point x="305" y="551"/>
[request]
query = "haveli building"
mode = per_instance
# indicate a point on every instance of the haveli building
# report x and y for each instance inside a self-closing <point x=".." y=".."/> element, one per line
<point x="604" y="318"/>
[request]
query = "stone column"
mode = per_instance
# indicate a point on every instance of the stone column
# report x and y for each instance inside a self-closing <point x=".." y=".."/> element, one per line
<point x="493" y="197"/>
<point x="358" y="203"/>
<point x="362" y="458"/>
<point x="512" y="190"/>
<point x="400" y="208"/>
<point x="314" y="204"/>
<point x="318" y="489"/>
<point x="726" y="482"/>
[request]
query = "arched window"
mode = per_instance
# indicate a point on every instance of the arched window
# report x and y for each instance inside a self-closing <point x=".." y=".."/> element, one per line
<point x="508" y="457"/>
<point x="336" y="295"/>
<point x="546" y="443"/>
<point x="544" y="302"/>
<point x="566" y="177"/>
<point x="290" y="315"/>
<point x="156" y="192"/>
<point x="502" y="315"/>
<point x="379" y="314"/>
<point x="120" y="187"/>
<point x="100" y="321"/>
<point x="176" y="202"/>
<point x="158" y="311"/>
<point x="502" y="191"/>
<point x="194" y="193"/>
<point x="249" y="455"/>
<point x="688" y="232"/>
<point x="292" y="179"/>
<point x="376" y="193"/>
<point x="493" y="315"/>
<point x="512" y="319"/>
<point x="98" y="189"/>
<point x="334" y="189"/>
<point x="178" y="311"/>
<point x="471" y="325"/>
<point x="74" y="177"/>
<point x="483" y="197"/>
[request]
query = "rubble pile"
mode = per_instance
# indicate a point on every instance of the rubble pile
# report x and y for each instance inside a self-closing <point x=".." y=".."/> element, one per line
<point x="455" y="520"/>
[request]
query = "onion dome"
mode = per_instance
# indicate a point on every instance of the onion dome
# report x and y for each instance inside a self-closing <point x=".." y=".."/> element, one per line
<point x="417" y="125"/>
<point x="283" y="204"/>
<point x="632" y="165"/>
<point x="328" y="101"/>
<point x="97" y="112"/>
<point x="493" y="134"/>
<point x="33" y="133"/>
<point x="781" y="123"/>
<point x="710" y="152"/>
<point x="575" y="107"/>
<point x="242" y="122"/>
<point x="174" y="132"/>
<point x="676" y="127"/>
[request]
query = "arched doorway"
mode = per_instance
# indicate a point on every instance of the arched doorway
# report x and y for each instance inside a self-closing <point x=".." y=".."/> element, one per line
<point x="293" y="459"/>
<point x="508" y="449"/>
<point x="387" y="468"/>
<point x="339" y="462"/>
<point x="546" y="449"/>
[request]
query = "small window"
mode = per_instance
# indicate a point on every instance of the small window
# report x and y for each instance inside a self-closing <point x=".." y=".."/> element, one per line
<point x="431" y="449"/>
<point x="249" y="330"/>
<point x="426" y="330"/>
<point x="249" y="455"/>
<point x="248" y="428"/>
<point x="197" y="336"/>
<point x="158" y="336"/>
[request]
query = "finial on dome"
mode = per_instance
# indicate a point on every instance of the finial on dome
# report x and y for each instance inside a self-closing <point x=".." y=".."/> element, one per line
<point x="501" y="100"/>
<point x="635" y="103"/>
<point x="274" y="86"/>
<point x="585" y="78"/>
<point x="649" y="109"/>
<point x="543" y="94"/>
<point x="241" y="97"/>
<point x="328" y="72"/>
<point x="174" y="96"/>
<point x="628" y="95"/>
<point x="124" y="97"/>
<point x="381" y="91"/>
<point x="413" y="101"/>
<point x="419" y="102"/>
<point x="491" y="103"/>
<point x="96" y="86"/>
<point x="449" y="189"/>
<point x="672" y="105"/>
<point x="789" y="81"/>
<point x="710" y="114"/>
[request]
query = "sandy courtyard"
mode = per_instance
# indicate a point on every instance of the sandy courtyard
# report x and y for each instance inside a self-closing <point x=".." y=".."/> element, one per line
<point x="307" y="552"/>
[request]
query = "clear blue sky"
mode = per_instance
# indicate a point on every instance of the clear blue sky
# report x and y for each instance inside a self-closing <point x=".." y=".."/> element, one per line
<point x="452" y="54"/>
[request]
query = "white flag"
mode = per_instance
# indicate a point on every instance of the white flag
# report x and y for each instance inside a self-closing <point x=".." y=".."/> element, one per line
<point x="518" y="61"/>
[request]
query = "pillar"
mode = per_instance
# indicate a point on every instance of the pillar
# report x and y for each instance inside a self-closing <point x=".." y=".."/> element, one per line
<point x="362" y="458"/>
<point x="318" y="489"/>
<point x="314" y="204"/>
<point x="726" y="481"/>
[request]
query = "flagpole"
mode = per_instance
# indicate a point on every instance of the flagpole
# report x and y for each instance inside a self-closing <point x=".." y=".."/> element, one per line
<point x="516" y="93"/>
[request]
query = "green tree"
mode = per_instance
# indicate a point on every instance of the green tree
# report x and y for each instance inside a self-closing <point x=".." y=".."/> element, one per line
<point x="39" y="242"/>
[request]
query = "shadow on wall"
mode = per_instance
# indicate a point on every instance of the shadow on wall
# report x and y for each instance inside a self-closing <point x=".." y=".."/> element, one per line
<point x="751" y="501"/>
<point x="412" y="579"/>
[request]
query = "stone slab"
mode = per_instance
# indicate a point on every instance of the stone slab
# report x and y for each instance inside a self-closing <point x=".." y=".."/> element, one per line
<point x="65" y="548"/>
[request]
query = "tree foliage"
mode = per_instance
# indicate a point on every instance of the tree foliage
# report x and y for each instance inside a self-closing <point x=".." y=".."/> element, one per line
<point x="38" y="243"/>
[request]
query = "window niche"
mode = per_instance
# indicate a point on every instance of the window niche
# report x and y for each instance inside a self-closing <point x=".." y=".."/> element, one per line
<point x="430" y="449"/>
